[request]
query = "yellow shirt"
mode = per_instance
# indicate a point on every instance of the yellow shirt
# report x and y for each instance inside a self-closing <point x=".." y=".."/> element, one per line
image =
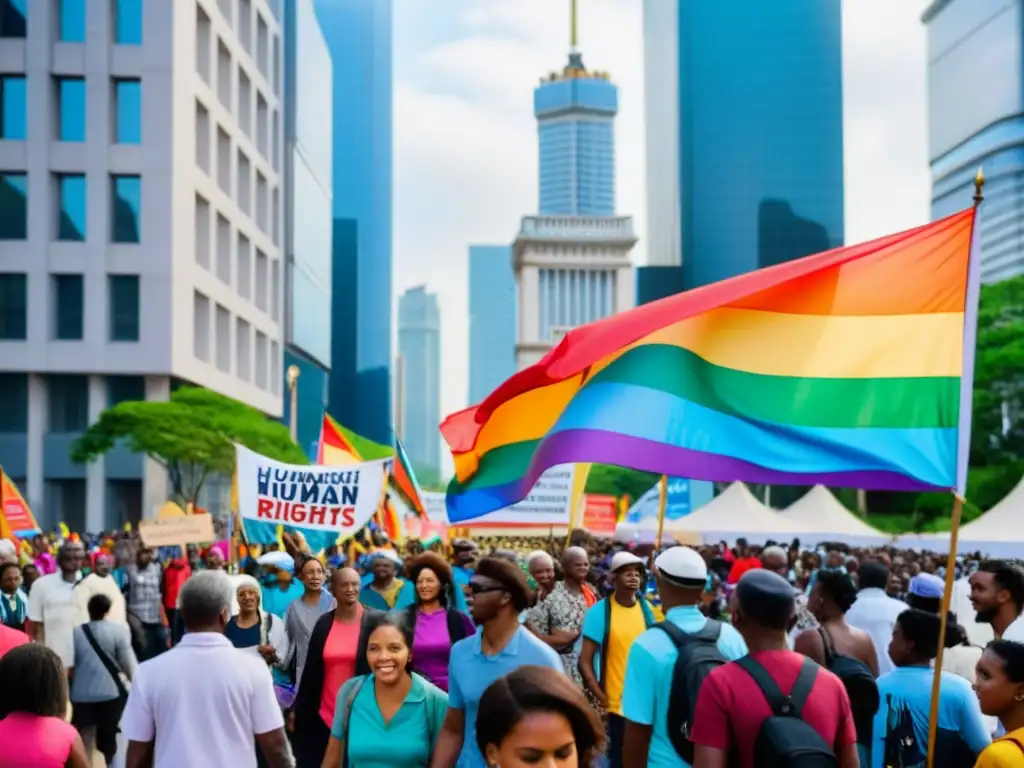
<point x="1003" y="753"/>
<point x="627" y="625"/>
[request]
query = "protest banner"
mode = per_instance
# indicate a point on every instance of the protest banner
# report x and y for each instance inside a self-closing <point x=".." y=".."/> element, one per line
<point x="599" y="513"/>
<point x="177" y="531"/>
<point x="317" y="498"/>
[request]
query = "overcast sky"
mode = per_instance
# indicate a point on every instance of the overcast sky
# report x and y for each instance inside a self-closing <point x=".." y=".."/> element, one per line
<point x="466" y="140"/>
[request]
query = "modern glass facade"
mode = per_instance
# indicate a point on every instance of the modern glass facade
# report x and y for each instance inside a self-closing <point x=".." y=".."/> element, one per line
<point x="128" y="111"/>
<point x="308" y="186"/>
<point x="975" y="106"/>
<point x="419" y="344"/>
<point x="72" y="216"/>
<point x="312" y="399"/>
<point x="761" y="133"/>
<point x="358" y="34"/>
<point x="492" y="319"/>
<point x="575" y="112"/>
<point x="13" y="123"/>
<point x="71" y="109"/>
<point x="125" y="208"/>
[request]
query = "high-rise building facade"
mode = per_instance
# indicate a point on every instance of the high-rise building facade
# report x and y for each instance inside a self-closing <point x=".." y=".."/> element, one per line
<point x="140" y="225"/>
<point x="492" y="319"/>
<point x="758" y="88"/>
<point x="419" y="344"/>
<point x="358" y="34"/>
<point x="309" y="218"/>
<point x="575" y="111"/>
<point x="976" y="118"/>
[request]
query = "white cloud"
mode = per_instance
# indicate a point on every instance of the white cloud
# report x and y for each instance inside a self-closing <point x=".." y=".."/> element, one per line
<point x="466" y="146"/>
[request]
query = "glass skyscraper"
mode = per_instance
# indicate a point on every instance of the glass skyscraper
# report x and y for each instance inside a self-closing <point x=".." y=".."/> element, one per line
<point x="575" y="111"/>
<point x="358" y="34"/>
<point x="492" y="319"/>
<point x="976" y="118"/>
<point x="760" y="133"/>
<point x="419" y="344"/>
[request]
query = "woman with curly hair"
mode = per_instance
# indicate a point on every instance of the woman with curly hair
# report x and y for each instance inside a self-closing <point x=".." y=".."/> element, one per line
<point x="535" y="715"/>
<point x="433" y="622"/>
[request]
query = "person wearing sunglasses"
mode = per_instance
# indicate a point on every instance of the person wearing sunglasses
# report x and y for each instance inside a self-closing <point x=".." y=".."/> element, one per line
<point x="498" y="593"/>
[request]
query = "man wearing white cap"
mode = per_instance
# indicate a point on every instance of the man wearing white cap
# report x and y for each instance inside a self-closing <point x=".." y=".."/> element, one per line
<point x="610" y="628"/>
<point x="681" y="575"/>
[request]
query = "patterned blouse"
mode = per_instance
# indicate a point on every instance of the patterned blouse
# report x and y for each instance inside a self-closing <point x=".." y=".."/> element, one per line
<point x="564" y="610"/>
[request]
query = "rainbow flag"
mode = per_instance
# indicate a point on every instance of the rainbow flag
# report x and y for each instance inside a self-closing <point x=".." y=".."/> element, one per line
<point x="843" y="368"/>
<point x="333" y="448"/>
<point x="403" y="481"/>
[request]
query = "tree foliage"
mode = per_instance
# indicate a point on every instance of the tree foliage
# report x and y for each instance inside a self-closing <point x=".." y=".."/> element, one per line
<point x="192" y="435"/>
<point x="619" y="481"/>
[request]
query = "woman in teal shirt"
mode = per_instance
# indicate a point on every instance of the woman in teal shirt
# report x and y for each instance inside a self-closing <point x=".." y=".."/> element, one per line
<point x="393" y="715"/>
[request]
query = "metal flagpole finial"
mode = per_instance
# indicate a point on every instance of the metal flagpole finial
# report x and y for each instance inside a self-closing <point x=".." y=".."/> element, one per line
<point x="573" y="21"/>
<point x="979" y="183"/>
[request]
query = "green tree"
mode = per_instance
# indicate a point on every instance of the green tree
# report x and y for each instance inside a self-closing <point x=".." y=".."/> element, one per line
<point x="192" y="435"/>
<point x="619" y="481"/>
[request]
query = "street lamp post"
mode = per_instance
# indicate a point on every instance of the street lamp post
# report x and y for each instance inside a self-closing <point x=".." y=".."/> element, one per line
<point x="293" y="393"/>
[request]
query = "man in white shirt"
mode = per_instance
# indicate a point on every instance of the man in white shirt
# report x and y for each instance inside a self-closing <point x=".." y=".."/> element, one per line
<point x="203" y="704"/>
<point x="52" y="612"/>
<point x="997" y="594"/>
<point x="100" y="582"/>
<point x="875" y="612"/>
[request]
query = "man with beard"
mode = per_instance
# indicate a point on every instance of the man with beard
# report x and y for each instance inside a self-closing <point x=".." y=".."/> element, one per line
<point x="997" y="594"/>
<point x="609" y="629"/>
<point x="52" y="611"/>
<point x="499" y="593"/>
<point x="101" y="582"/>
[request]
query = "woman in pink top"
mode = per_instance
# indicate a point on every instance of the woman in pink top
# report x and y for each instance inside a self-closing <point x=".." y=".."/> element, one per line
<point x="337" y="652"/>
<point x="33" y="702"/>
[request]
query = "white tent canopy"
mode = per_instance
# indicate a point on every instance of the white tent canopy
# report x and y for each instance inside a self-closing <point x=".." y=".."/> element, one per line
<point x="997" y="533"/>
<point x="821" y="517"/>
<point x="735" y="513"/>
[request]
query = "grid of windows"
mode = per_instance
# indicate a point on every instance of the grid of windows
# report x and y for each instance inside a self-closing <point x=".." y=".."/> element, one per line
<point x="13" y="122"/>
<point x="71" y="214"/>
<point x="125" y="208"/>
<point x="68" y="307"/>
<point x="13" y="306"/>
<point x="71" y="118"/>
<point x="127" y="111"/>
<point x="123" y="291"/>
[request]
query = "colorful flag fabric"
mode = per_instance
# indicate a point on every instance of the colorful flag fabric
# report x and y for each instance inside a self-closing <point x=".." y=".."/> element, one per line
<point x="16" y="519"/>
<point x="843" y="368"/>
<point x="403" y="481"/>
<point x="335" y="449"/>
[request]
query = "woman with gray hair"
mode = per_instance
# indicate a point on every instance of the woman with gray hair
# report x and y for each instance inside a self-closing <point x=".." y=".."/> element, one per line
<point x="255" y="631"/>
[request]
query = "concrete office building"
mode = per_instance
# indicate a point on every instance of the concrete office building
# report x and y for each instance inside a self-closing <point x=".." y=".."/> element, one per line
<point x="140" y="148"/>
<point x="308" y="184"/>
<point x="419" y="344"/>
<point x="358" y="34"/>
<point x="751" y="92"/>
<point x="976" y="119"/>
<point x="492" y="319"/>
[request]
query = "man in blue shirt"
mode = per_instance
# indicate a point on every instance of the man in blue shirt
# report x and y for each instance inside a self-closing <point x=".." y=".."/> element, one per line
<point x="499" y="592"/>
<point x="681" y="574"/>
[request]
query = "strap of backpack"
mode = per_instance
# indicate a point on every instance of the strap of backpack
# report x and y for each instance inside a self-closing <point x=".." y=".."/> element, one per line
<point x="782" y="705"/>
<point x="708" y="633"/>
<point x="826" y="641"/>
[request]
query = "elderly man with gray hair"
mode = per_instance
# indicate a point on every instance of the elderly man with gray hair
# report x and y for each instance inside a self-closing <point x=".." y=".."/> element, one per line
<point x="203" y="686"/>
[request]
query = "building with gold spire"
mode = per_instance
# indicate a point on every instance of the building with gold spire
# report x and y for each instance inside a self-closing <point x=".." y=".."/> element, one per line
<point x="575" y="110"/>
<point x="572" y="260"/>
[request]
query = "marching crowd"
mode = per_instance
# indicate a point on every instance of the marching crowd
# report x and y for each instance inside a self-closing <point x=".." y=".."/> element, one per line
<point x="532" y="655"/>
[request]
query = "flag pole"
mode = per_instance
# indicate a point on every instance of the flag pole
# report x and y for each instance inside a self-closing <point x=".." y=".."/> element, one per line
<point x="662" y="504"/>
<point x="966" y="387"/>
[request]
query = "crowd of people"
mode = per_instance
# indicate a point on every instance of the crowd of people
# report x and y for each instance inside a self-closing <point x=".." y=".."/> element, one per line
<point x="597" y="653"/>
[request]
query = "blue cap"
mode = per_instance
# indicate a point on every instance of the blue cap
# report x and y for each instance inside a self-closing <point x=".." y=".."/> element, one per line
<point x="927" y="585"/>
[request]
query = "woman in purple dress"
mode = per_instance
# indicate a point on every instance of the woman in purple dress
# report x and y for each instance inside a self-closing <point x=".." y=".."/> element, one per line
<point x="434" y="625"/>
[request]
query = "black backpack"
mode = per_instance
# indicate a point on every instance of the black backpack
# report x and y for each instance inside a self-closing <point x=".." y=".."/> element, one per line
<point x="785" y="740"/>
<point x="860" y="685"/>
<point x="698" y="657"/>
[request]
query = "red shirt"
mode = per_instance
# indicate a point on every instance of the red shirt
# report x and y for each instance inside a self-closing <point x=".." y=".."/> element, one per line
<point x="741" y="566"/>
<point x="176" y="573"/>
<point x="731" y="707"/>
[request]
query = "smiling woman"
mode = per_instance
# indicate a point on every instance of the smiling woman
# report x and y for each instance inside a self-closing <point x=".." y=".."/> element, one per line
<point x="391" y="716"/>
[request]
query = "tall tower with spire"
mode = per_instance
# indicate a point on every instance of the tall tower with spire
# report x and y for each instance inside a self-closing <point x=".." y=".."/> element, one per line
<point x="575" y="111"/>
